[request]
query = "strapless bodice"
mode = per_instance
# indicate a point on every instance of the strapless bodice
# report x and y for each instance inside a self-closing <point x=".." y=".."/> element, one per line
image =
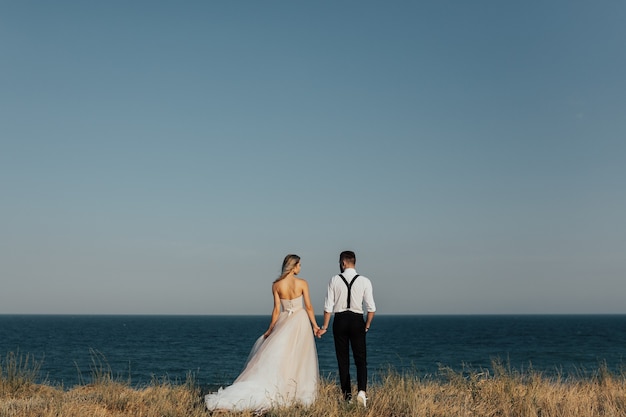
<point x="292" y="305"/>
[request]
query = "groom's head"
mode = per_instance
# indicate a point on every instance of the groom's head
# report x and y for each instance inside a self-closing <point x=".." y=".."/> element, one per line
<point x="347" y="259"/>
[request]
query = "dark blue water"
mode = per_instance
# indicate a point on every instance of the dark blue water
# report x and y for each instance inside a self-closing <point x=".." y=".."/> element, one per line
<point x="214" y="348"/>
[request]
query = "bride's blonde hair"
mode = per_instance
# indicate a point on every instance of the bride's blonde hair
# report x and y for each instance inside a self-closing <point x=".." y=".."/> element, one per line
<point x="289" y="263"/>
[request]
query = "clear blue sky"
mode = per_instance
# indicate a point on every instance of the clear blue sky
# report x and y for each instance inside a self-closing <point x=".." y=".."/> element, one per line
<point x="163" y="157"/>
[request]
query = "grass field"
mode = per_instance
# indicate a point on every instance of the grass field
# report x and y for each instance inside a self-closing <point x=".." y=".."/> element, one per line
<point x="500" y="392"/>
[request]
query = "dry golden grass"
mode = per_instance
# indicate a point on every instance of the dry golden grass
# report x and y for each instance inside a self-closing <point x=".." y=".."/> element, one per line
<point x="502" y="392"/>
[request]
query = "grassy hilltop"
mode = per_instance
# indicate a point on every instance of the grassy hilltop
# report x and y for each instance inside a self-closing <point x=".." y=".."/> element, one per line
<point x="502" y="392"/>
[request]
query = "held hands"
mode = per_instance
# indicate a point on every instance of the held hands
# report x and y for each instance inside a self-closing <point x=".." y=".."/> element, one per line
<point x="319" y="332"/>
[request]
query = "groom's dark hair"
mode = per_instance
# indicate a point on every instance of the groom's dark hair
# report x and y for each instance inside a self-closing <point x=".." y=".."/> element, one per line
<point x="347" y="256"/>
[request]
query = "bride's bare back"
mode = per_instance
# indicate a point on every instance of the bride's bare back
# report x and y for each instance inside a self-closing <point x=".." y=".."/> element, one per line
<point x="290" y="288"/>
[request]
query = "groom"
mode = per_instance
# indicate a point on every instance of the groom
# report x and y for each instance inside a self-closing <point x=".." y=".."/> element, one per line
<point x="347" y="293"/>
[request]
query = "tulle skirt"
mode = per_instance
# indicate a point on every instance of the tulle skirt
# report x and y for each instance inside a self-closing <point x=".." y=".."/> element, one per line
<point x="281" y="370"/>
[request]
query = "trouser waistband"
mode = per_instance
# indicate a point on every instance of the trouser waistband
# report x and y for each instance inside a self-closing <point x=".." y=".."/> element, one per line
<point x="348" y="312"/>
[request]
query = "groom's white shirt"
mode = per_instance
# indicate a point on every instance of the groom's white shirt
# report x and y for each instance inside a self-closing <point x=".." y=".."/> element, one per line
<point x="361" y="294"/>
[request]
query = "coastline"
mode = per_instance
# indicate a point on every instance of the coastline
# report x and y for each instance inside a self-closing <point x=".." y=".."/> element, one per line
<point x="503" y="392"/>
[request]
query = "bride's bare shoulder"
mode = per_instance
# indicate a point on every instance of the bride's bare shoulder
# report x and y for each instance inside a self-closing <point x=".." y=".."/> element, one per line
<point x="302" y="282"/>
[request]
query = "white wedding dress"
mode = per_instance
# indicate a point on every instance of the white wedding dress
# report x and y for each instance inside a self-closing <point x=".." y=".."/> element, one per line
<point x="281" y="370"/>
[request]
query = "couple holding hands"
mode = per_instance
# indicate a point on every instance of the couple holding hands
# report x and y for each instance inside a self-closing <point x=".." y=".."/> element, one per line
<point x="282" y="368"/>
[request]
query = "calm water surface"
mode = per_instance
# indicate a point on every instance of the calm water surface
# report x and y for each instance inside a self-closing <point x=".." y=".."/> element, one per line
<point x="214" y="348"/>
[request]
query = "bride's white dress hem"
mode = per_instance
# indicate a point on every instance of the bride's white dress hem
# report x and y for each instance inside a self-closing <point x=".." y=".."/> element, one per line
<point x="281" y="369"/>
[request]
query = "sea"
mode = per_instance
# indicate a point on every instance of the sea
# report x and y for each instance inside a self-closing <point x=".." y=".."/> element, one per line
<point x="211" y="350"/>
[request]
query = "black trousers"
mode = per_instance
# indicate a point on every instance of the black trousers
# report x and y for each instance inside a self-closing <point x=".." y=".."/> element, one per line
<point x="349" y="330"/>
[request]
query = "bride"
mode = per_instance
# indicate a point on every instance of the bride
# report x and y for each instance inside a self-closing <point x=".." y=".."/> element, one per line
<point x="282" y="367"/>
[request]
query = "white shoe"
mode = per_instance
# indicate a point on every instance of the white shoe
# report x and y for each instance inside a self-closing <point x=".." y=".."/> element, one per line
<point x="361" y="398"/>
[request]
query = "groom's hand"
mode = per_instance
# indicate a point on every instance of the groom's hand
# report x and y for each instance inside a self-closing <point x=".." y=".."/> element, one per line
<point x="320" y="332"/>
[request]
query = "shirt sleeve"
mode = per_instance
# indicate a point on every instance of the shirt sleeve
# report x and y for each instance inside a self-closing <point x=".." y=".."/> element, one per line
<point x="368" y="298"/>
<point x="329" y="301"/>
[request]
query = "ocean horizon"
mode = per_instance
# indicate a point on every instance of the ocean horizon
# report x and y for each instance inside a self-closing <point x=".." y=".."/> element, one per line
<point x="213" y="348"/>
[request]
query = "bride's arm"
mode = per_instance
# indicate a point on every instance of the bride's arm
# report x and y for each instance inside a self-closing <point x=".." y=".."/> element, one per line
<point x="275" y="311"/>
<point x="309" y="307"/>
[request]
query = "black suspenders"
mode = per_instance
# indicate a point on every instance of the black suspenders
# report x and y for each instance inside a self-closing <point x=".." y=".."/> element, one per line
<point x="349" y="285"/>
